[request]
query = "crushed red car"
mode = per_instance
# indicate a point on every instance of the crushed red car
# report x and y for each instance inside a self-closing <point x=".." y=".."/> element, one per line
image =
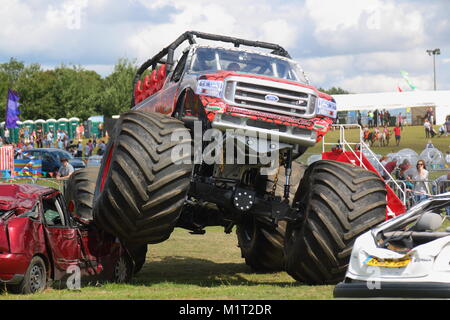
<point x="40" y="242"/>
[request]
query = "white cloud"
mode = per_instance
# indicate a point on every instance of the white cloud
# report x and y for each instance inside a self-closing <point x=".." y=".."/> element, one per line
<point x="358" y="45"/>
<point x="245" y="19"/>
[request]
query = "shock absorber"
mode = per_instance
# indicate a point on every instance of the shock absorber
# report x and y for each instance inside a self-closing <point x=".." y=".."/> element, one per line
<point x="287" y="173"/>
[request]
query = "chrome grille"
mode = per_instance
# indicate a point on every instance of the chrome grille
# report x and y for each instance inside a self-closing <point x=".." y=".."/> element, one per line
<point x="270" y="96"/>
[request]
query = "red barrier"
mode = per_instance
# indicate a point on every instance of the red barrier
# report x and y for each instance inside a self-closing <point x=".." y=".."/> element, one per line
<point x="394" y="204"/>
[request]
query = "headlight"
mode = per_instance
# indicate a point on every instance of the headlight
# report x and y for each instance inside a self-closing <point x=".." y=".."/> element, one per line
<point x="326" y="108"/>
<point x="210" y="88"/>
<point x="312" y="104"/>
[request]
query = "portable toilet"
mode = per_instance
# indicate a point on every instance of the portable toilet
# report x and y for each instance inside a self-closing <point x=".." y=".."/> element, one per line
<point x="51" y="125"/>
<point x="2" y="129"/>
<point x="14" y="133"/>
<point x="94" y="124"/>
<point x="39" y="124"/>
<point x="30" y="124"/>
<point x="74" y="122"/>
<point x="63" y="124"/>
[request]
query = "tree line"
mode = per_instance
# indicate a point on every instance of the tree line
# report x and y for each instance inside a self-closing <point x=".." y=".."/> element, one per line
<point x="66" y="91"/>
<point x="71" y="91"/>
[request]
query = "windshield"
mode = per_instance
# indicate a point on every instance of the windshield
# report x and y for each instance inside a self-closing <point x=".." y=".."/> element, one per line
<point x="215" y="59"/>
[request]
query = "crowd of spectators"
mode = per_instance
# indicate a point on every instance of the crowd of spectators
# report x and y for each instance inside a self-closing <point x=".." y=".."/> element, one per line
<point x="30" y="139"/>
<point x="416" y="178"/>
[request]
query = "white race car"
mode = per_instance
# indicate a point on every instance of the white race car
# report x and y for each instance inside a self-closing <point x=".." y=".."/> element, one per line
<point x="405" y="257"/>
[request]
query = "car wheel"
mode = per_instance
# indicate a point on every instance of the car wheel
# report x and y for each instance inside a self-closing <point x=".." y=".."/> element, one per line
<point x="122" y="269"/>
<point x="35" y="279"/>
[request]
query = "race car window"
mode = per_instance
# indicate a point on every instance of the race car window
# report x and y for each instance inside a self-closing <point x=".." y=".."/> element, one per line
<point x="53" y="213"/>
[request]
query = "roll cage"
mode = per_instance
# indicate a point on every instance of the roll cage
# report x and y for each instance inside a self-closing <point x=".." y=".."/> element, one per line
<point x="166" y="55"/>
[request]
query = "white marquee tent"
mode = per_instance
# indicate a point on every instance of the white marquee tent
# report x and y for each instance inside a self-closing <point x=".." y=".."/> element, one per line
<point x="395" y="100"/>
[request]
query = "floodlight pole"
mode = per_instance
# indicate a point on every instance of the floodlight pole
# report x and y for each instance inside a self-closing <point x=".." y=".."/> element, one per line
<point x="434" y="53"/>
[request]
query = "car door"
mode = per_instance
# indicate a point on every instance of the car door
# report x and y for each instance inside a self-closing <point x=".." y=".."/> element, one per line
<point x="63" y="240"/>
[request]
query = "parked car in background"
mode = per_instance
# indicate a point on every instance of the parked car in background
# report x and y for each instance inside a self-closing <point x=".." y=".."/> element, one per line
<point x="51" y="159"/>
<point x="94" y="161"/>
<point x="41" y="240"/>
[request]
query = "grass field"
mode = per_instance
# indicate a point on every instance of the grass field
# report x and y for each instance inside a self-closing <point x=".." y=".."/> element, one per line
<point x="195" y="267"/>
<point x="210" y="266"/>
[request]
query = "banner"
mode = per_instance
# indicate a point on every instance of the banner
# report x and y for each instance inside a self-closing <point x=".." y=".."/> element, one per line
<point x="6" y="161"/>
<point x="12" y="110"/>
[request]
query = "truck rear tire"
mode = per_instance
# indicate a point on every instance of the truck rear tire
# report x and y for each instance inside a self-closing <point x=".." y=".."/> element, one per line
<point x="79" y="193"/>
<point x="141" y="187"/>
<point x="338" y="202"/>
<point x="261" y="244"/>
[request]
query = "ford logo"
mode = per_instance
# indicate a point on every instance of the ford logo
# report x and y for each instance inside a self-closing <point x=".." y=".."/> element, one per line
<point x="271" y="97"/>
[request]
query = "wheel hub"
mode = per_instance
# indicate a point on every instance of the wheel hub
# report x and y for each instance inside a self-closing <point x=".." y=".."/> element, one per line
<point x="36" y="278"/>
<point x="121" y="270"/>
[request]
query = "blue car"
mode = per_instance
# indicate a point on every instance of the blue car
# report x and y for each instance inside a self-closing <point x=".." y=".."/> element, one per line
<point x="51" y="158"/>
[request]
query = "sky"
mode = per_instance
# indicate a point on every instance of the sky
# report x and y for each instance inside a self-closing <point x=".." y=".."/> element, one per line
<point x="358" y="45"/>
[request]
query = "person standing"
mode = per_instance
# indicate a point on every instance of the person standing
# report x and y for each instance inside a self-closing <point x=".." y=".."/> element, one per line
<point x="397" y="133"/>
<point x="387" y="117"/>
<point x="447" y="126"/>
<point x="358" y="115"/>
<point x="7" y="141"/>
<point x="79" y="149"/>
<point x="427" y="127"/>
<point x="400" y="120"/>
<point x="370" y="119"/>
<point x="50" y="139"/>
<point x="420" y="180"/>
<point x="101" y="148"/>
<point x="375" y="118"/>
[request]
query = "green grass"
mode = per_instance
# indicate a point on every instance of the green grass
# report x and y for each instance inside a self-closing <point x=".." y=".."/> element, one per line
<point x="195" y="267"/>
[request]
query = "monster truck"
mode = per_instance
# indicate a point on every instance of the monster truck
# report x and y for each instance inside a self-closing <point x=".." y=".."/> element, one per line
<point x="204" y="144"/>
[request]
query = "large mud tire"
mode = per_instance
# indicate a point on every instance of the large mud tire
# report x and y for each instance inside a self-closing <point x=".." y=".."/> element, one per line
<point x="261" y="244"/>
<point x="338" y="202"/>
<point x="141" y="187"/>
<point x="139" y="254"/>
<point x="79" y="193"/>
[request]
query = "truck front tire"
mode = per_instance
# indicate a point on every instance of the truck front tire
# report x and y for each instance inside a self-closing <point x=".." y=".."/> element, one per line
<point x="141" y="187"/>
<point x="337" y="202"/>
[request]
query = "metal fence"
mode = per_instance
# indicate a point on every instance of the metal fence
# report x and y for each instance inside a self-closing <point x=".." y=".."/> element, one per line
<point x="410" y="197"/>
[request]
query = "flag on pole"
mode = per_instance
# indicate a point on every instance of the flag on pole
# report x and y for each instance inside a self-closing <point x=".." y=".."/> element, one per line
<point x="12" y="110"/>
<point x="405" y="76"/>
